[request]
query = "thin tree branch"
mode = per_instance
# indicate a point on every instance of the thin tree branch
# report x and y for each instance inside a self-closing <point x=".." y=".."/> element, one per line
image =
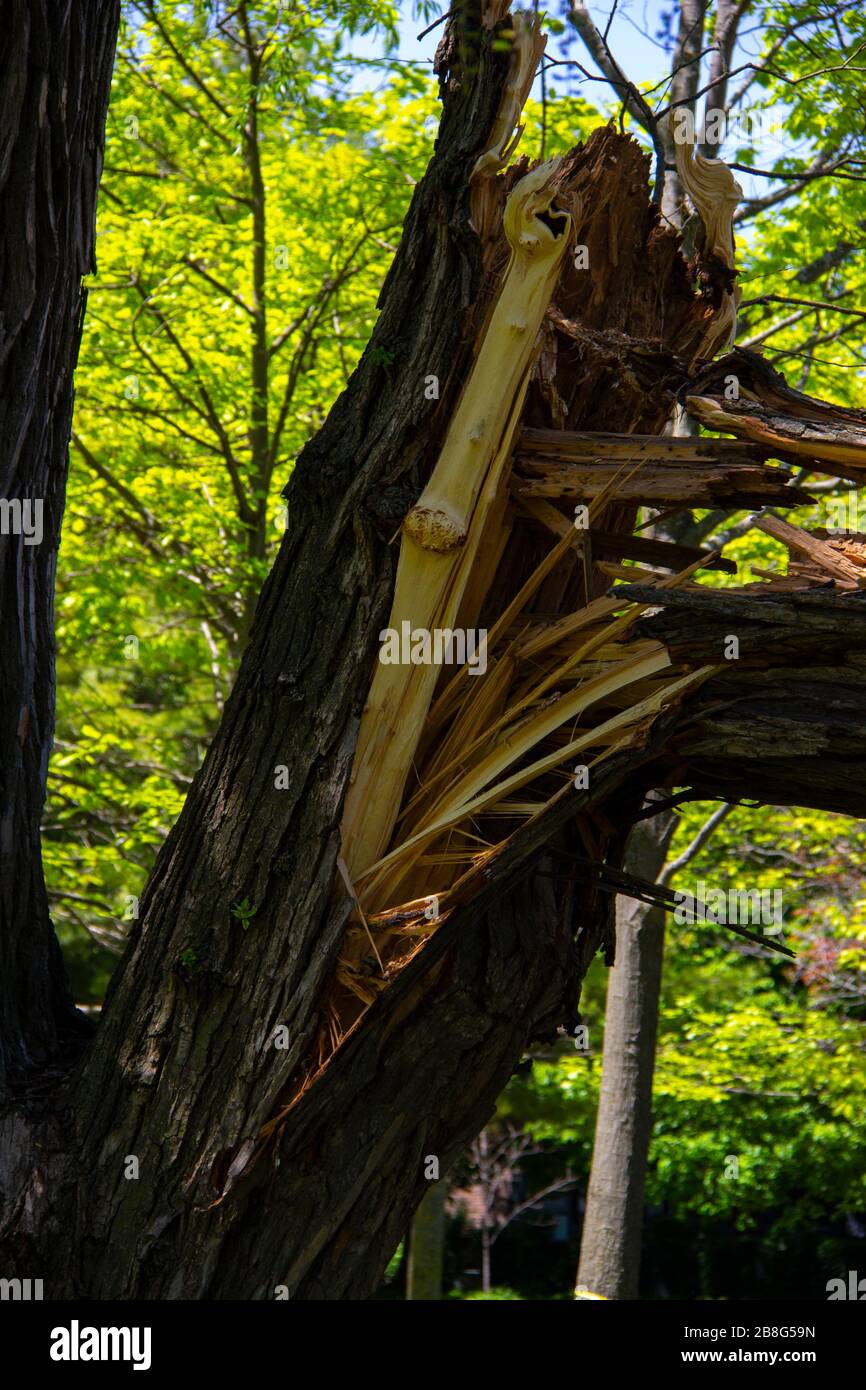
<point x="780" y="76"/>
<point x="633" y="101"/>
<point x="531" y="1202"/>
<point x="217" y="284"/>
<point x="809" y="304"/>
<point x="192" y="111"/>
<point x="209" y="413"/>
<point x="704" y="834"/>
<point x="819" y="168"/>
<point x="188" y="69"/>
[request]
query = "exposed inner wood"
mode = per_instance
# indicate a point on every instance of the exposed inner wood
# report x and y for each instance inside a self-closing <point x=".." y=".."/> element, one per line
<point x="573" y="380"/>
<point x="444" y="531"/>
<point x="697" y="472"/>
<point x="649" y="447"/>
<point x="527" y="47"/>
<point x="715" y="194"/>
<point x="784" y="422"/>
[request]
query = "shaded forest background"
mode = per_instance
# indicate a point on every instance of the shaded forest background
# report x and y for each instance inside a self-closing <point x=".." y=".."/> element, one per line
<point x="247" y="217"/>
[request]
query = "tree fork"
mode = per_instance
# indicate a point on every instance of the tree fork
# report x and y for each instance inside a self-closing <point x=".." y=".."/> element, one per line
<point x="257" y="1170"/>
<point x="322" y="606"/>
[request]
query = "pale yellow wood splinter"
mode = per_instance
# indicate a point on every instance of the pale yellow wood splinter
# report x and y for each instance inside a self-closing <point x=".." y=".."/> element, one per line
<point x="443" y="532"/>
<point x="527" y="48"/>
<point x="715" y="194"/>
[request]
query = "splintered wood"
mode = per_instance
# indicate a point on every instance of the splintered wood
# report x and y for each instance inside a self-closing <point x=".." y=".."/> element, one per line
<point x="442" y="757"/>
<point x="687" y="471"/>
<point x="715" y="194"/>
<point x="781" y="421"/>
<point x="444" y="532"/>
<point x="523" y="527"/>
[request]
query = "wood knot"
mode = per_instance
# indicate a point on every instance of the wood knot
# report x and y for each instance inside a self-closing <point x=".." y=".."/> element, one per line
<point x="433" y="529"/>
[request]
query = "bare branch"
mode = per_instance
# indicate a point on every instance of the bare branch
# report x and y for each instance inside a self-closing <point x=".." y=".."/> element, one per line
<point x="560" y="1186"/>
<point x="706" y="831"/>
<point x="633" y="101"/>
<point x="819" y="168"/>
<point x="217" y="284"/>
<point x="601" y="55"/>
<point x="780" y="76"/>
<point x="809" y="304"/>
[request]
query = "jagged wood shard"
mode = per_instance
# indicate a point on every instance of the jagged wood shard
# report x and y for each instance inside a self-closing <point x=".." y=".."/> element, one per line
<point x="527" y="47"/>
<point x="694" y="471"/>
<point x="785" y="423"/>
<point x="571" y="674"/>
<point x="715" y="194"/>
<point x="443" y="532"/>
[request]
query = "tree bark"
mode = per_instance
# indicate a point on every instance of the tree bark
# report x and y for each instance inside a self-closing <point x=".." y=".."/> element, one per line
<point x="685" y="82"/>
<point x="427" y="1247"/>
<point x="221" y="1164"/>
<point x="197" y="995"/>
<point x="55" y="71"/>
<point x="613" y="1223"/>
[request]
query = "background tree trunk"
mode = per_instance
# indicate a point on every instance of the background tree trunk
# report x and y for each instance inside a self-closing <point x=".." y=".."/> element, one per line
<point x="55" y="71"/>
<point x="685" y="80"/>
<point x="427" y="1247"/>
<point x="613" y="1222"/>
<point x="611" y="1240"/>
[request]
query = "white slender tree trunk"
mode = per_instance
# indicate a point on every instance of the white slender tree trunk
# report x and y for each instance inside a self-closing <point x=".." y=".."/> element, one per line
<point x="610" y="1245"/>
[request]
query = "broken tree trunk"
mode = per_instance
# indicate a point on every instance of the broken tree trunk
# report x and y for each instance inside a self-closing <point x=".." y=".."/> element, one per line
<point x="282" y="1075"/>
<point x="785" y="422"/>
<point x="684" y="472"/>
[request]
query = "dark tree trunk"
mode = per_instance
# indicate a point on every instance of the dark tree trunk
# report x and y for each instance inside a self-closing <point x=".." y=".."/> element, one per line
<point x="55" y="72"/>
<point x="184" y="1075"/>
<point x="253" y="1171"/>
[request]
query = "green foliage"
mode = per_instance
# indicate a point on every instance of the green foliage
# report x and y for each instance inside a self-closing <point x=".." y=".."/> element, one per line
<point x="244" y="912"/>
<point x="494" y="1295"/>
<point x="394" y="1263"/>
<point x="190" y="964"/>
<point x="210" y="245"/>
<point x="761" y="1061"/>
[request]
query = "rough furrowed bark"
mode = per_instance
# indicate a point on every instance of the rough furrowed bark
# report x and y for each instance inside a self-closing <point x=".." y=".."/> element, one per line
<point x="184" y="1074"/>
<point x="785" y="422"/>
<point x="55" y="70"/>
<point x="422" y="1073"/>
<point x="198" y="993"/>
<point x="297" y="1167"/>
<point x="785" y="722"/>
